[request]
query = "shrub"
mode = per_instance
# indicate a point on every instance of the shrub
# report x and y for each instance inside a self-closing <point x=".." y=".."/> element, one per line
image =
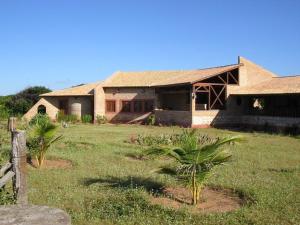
<point x="39" y="118"/>
<point x="151" y="120"/>
<point x="71" y="118"/>
<point x="87" y="118"/>
<point x="4" y="114"/>
<point x="62" y="117"/>
<point x="168" y="139"/>
<point x="101" y="119"/>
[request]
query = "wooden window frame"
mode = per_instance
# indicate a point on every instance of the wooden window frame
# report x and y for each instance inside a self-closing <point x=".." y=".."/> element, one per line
<point x="143" y="101"/>
<point x="121" y="106"/>
<point x="115" y="106"/>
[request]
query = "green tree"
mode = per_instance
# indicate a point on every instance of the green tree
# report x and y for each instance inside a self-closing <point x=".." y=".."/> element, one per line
<point x="195" y="161"/>
<point x="20" y="103"/>
<point x="4" y="112"/>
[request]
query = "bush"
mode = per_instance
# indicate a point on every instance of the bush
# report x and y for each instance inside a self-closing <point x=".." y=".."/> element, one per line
<point x="87" y="118"/>
<point x="151" y="120"/>
<point x="4" y="114"/>
<point x="6" y="198"/>
<point x="39" y="118"/>
<point x="71" y="118"/>
<point x="61" y="117"/>
<point x="101" y="119"/>
<point x="168" y="139"/>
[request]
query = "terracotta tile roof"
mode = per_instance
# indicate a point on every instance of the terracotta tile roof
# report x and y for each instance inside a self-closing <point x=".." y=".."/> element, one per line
<point x="83" y="90"/>
<point x="163" y="78"/>
<point x="276" y="85"/>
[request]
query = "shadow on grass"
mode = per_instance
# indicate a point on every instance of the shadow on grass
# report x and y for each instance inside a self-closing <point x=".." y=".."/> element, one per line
<point x="148" y="184"/>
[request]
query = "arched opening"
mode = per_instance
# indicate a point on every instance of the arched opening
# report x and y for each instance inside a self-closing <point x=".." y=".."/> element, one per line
<point x="42" y="109"/>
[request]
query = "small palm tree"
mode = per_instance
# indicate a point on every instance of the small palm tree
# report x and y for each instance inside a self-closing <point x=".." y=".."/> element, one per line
<point x="196" y="161"/>
<point x="42" y="134"/>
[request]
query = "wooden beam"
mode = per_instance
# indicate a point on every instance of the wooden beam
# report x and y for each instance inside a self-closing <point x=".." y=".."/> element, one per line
<point x="218" y="96"/>
<point x="200" y="91"/>
<point x="204" y="89"/>
<point x="233" y="77"/>
<point x="4" y="168"/>
<point x="227" y="77"/>
<point x="209" y="93"/>
<point x="7" y="177"/>
<point x="222" y="79"/>
<point x="206" y="84"/>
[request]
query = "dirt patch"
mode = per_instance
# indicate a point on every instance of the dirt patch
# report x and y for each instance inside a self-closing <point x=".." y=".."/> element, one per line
<point x="211" y="200"/>
<point x="53" y="164"/>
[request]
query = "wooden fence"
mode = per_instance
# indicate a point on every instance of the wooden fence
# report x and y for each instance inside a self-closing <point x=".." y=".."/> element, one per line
<point x="15" y="169"/>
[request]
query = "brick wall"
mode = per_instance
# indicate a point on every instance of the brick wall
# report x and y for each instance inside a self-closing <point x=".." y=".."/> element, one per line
<point x="127" y="94"/>
<point x="51" y="105"/>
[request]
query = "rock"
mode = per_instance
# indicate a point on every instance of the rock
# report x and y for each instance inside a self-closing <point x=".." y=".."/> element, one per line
<point x="33" y="215"/>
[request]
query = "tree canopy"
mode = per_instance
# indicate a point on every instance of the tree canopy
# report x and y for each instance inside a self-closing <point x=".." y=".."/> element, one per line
<point x="20" y="103"/>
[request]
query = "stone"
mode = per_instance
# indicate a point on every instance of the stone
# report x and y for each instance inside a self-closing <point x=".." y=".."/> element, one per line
<point x="33" y="215"/>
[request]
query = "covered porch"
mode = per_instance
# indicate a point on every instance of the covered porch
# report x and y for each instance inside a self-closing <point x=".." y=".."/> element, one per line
<point x="197" y="103"/>
<point x="272" y="111"/>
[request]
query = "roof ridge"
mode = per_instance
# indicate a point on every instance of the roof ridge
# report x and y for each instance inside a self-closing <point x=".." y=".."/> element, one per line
<point x="287" y="76"/>
<point x="179" y="70"/>
<point x="214" y="67"/>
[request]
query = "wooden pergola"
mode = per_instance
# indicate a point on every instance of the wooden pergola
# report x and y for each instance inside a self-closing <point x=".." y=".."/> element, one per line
<point x="215" y="88"/>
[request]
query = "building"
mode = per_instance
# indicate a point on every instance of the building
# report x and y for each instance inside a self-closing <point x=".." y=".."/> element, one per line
<point x="232" y="95"/>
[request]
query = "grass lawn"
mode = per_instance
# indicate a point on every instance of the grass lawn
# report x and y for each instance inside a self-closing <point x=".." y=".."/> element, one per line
<point x="106" y="187"/>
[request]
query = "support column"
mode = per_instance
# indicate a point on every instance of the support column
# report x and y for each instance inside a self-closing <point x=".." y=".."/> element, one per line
<point x="192" y="103"/>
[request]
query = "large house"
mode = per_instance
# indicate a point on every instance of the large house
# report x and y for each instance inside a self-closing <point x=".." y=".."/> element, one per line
<point x="242" y="93"/>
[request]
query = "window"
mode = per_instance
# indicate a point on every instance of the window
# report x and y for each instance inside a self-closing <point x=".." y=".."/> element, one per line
<point x="42" y="109"/>
<point x="110" y="106"/>
<point x="138" y="106"/>
<point x="126" y="106"/>
<point x="149" y="106"/>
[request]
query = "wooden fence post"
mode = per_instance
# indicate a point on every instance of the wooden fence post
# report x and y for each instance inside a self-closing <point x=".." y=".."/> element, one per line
<point x="18" y="159"/>
<point x="12" y="124"/>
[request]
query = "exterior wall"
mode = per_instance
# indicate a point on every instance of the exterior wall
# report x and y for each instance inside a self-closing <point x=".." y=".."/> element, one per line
<point x="80" y="106"/>
<point x="168" y="117"/>
<point x="77" y="106"/>
<point x="280" y="122"/>
<point x="231" y="116"/>
<point x="129" y="94"/>
<point x="250" y="74"/>
<point x="215" y="118"/>
<point x="51" y="104"/>
<point x="99" y="101"/>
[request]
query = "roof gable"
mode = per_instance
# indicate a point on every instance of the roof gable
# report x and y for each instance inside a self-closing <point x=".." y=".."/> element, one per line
<point x="82" y="90"/>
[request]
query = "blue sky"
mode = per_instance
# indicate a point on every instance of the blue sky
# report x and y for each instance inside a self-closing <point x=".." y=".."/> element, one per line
<point x="60" y="43"/>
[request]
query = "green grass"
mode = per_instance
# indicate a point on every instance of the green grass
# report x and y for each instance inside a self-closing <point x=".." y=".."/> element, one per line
<point x="105" y="187"/>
